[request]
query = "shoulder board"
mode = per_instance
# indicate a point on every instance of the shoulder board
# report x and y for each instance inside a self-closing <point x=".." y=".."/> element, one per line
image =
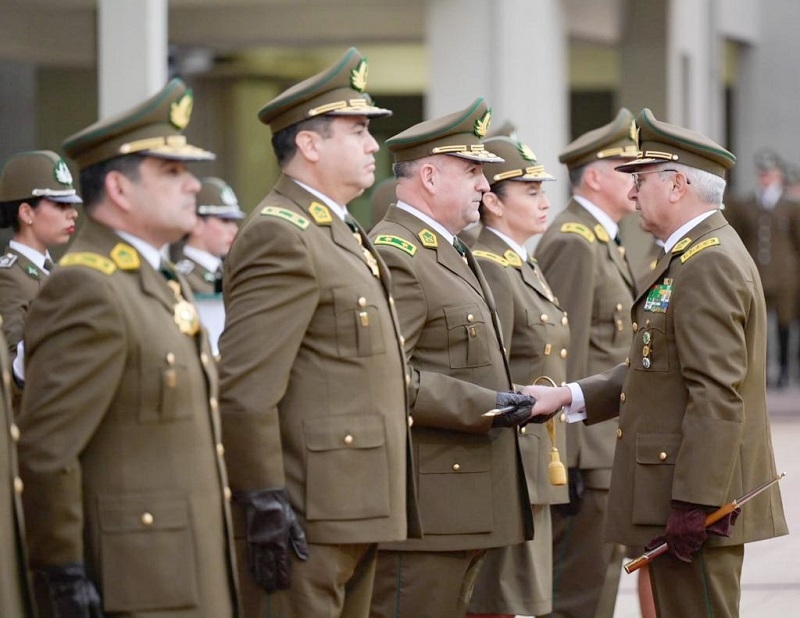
<point x="320" y="213"/>
<point x="125" y="256"/>
<point x="601" y="233"/>
<point x="395" y="241"/>
<point x="681" y="245"/>
<point x="512" y="257"/>
<point x="488" y="255"/>
<point x="91" y="260"/>
<point x="7" y="261"/>
<point x="428" y="238"/>
<point x="286" y="215"/>
<point x="184" y="266"/>
<point x="709" y="242"/>
<point x="580" y="229"/>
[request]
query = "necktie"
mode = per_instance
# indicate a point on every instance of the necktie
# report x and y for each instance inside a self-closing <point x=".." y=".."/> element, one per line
<point x="372" y="263"/>
<point x="461" y="248"/>
<point x="49" y="265"/>
<point x="548" y="292"/>
<point x="218" y="280"/>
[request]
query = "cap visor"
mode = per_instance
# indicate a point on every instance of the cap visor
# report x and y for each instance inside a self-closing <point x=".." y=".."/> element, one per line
<point x="535" y="177"/>
<point x="180" y="153"/>
<point x="370" y="111"/>
<point x="65" y="199"/>
<point x="481" y="157"/>
<point x="633" y="165"/>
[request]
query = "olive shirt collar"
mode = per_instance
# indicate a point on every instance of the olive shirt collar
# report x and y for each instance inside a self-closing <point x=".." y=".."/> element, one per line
<point x="440" y="229"/>
<point x="29" y="252"/>
<point x="604" y="220"/>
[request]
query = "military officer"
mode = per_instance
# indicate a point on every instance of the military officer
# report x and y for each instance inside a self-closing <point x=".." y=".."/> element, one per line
<point x="15" y="598"/>
<point x="199" y="258"/>
<point x="120" y="448"/>
<point x="471" y="487"/>
<point x="37" y="200"/>
<point x="313" y="378"/>
<point x="593" y="282"/>
<point x="769" y="225"/>
<point x="518" y="579"/>
<point x="694" y="431"/>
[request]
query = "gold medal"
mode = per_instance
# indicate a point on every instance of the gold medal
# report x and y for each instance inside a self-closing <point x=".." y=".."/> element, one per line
<point x="184" y="312"/>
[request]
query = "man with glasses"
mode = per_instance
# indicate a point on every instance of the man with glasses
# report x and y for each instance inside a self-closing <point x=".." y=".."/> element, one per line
<point x="691" y="397"/>
<point x="586" y="267"/>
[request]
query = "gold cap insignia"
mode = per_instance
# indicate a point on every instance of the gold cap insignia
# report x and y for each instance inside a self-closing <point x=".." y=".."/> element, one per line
<point x="125" y="257"/>
<point x="482" y="124"/>
<point x="634" y="132"/>
<point x="526" y="152"/>
<point x="62" y="173"/>
<point x="180" y="111"/>
<point x="358" y="76"/>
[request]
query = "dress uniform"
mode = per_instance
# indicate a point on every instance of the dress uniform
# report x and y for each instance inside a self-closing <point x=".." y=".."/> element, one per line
<point x="201" y="267"/>
<point x="120" y="449"/>
<point x="593" y="282"/>
<point x="470" y="483"/>
<point x="518" y="579"/>
<point x="693" y="422"/>
<point x="15" y="599"/>
<point x="313" y="378"/>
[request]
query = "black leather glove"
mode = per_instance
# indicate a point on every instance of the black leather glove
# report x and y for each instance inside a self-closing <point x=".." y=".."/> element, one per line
<point x="65" y="591"/>
<point x="272" y="528"/>
<point x="519" y="411"/>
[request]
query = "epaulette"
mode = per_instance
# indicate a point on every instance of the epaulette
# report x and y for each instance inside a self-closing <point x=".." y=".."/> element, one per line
<point x="7" y="261"/>
<point x="320" y="213"/>
<point x="90" y="260"/>
<point x="681" y="245"/>
<point x="395" y="241"/>
<point x="488" y="255"/>
<point x="601" y="233"/>
<point x="286" y="215"/>
<point x="184" y="266"/>
<point x="428" y="238"/>
<point x="708" y="242"/>
<point x="580" y="229"/>
<point x="125" y="257"/>
<point x="513" y="259"/>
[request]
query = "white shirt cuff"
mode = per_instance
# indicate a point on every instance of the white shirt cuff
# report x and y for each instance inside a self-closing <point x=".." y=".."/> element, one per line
<point x="576" y="411"/>
<point x="18" y="366"/>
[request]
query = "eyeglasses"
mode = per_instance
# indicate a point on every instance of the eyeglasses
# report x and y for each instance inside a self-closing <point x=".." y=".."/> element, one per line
<point x="637" y="183"/>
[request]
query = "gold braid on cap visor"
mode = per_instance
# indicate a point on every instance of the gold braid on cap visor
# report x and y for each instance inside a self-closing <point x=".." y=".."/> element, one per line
<point x="619" y="151"/>
<point x="339" y="106"/>
<point x="476" y="150"/>
<point x="164" y="145"/>
<point x="534" y="170"/>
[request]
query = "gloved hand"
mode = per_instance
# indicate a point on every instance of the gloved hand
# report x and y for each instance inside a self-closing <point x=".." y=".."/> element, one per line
<point x="272" y="528"/>
<point x="686" y="529"/>
<point x="520" y="409"/>
<point x="65" y="591"/>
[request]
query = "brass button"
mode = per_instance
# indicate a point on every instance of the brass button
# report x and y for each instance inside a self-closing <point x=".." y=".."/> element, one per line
<point x="408" y="379"/>
<point x="14" y="432"/>
<point x="220" y="449"/>
<point x="619" y="433"/>
<point x="619" y="306"/>
<point x="410" y="421"/>
<point x="147" y="519"/>
<point x="362" y="302"/>
<point x="204" y="358"/>
<point x="544" y="317"/>
<point x="402" y="340"/>
<point x="18" y="485"/>
<point x="470" y="317"/>
<point x="563" y="417"/>
<point x="622" y="397"/>
<point x="523" y="430"/>
<point x="627" y="362"/>
<point x="662" y="456"/>
<point x="391" y="301"/>
<point x="227" y="493"/>
<point x="170" y="358"/>
<point x="564" y="320"/>
<point x="456" y="467"/>
<point x="212" y="401"/>
<point x="348" y="439"/>
<point x="563" y="353"/>
<point x="635" y="327"/>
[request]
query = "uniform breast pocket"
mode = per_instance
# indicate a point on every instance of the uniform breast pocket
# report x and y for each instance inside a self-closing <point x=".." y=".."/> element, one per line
<point x="347" y="468"/>
<point x="166" y="387"/>
<point x="359" y="327"/>
<point x="147" y="554"/>
<point x="467" y="336"/>
<point x="650" y="350"/>
<point x="652" y="482"/>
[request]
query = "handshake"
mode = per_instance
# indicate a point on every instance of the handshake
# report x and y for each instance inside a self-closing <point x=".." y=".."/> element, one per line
<point x="515" y="409"/>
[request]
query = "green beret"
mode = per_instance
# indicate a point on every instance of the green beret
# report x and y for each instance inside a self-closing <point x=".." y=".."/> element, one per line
<point x="519" y="162"/>
<point x="154" y="127"/>
<point x="336" y="91"/>
<point x="615" y="140"/>
<point x="458" y="134"/>
<point x="217" y="199"/>
<point x="37" y="173"/>
<point x="660" y="142"/>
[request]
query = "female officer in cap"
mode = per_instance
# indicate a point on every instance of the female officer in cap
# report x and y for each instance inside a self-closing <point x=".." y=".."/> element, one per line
<point x="536" y="332"/>
<point x="37" y="200"/>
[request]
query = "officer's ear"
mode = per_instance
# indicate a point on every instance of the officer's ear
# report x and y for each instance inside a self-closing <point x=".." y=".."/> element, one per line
<point x="308" y="145"/>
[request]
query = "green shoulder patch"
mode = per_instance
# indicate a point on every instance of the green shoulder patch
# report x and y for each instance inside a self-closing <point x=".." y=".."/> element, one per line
<point x="320" y="213"/>
<point x="286" y="215"/>
<point x="488" y="255"/>
<point x="428" y="238"/>
<point x="90" y="260"/>
<point x="512" y="257"/>
<point x="395" y="241"/>
<point x="580" y="229"/>
<point x="708" y="242"/>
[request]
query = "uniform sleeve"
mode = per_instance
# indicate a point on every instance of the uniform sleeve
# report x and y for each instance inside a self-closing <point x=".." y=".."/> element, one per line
<point x="271" y="293"/>
<point x="567" y="262"/>
<point x="75" y="355"/>
<point x="14" y="310"/>
<point x="711" y="303"/>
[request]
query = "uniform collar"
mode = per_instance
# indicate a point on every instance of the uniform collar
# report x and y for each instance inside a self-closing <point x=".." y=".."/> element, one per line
<point x="151" y="254"/>
<point x="29" y="252"/>
<point x="440" y="229"/>
<point x="607" y="222"/>
<point x="340" y="210"/>
<point x="207" y="260"/>
<point x="685" y="229"/>
<point x="518" y="249"/>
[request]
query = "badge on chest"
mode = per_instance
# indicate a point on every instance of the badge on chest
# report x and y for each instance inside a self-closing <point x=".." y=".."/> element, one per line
<point x="658" y="297"/>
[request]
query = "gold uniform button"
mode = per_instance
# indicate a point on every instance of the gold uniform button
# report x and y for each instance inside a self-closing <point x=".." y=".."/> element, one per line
<point x="627" y="362"/>
<point x="563" y="417"/>
<point x="227" y="493"/>
<point x="170" y="358"/>
<point x="410" y="421"/>
<point x="619" y="306"/>
<point x="564" y="320"/>
<point x="622" y="397"/>
<point x="470" y="317"/>
<point x="362" y="302"/>
<point x="220" y="449"/>
<point x="456" y="467"/>
<point x="402" y="340"/>
<point x="563" y="353"/>
<point x="619" y="433"/>
<point x="18" y="485"/>
<point x="523" y="430"/>
<point x="544" y="318"/>
<point x="348" y="439"/>
<point x="635" y="327"/>
<point x="204" y="358"/>
<point x="212" y="401"/>
<point x="408" y="379"/>
<point x="14" y="432"/>
<point x="147" y="519"/>
<point x="662" y="456"/>
<point x="391" y="301"/>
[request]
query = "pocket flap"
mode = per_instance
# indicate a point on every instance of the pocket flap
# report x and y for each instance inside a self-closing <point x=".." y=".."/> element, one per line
<point x="463" y="315"/>
<point x="145" y="512"/>
<point x="657" y="448"/>
<point x="444" y="459"/>
<point x="348" y="431"/>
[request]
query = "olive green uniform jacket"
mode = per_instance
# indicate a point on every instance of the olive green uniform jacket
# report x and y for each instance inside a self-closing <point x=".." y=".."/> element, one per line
<point x="693" y="423"/>
<point x="20" y="281"/>
<point x="120" y="449"/>
<point x="471" y="484"/>
<point x="313" y="379"/>
<point x="14" y="590"/>
<point x="594" y="285"/>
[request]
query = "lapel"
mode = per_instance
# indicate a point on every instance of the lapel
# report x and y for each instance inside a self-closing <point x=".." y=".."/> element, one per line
<point x="30" y="269"/>
<point x="527" y="271"/>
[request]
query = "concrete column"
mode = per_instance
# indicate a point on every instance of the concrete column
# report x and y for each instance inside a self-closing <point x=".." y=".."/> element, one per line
<point x="513" y="53"/>
<point x="644" y="57"/>
<point x="132" y="52"/>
